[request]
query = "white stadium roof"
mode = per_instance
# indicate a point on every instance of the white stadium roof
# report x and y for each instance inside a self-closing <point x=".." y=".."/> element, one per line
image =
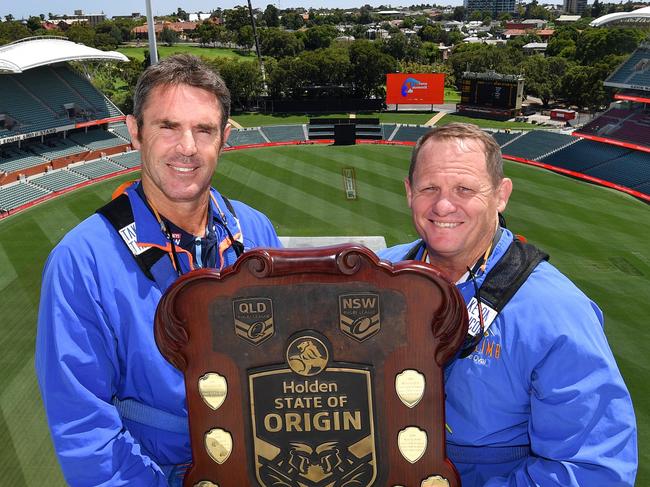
<point x="31" y="53"/>
<point x="638" y="16"/>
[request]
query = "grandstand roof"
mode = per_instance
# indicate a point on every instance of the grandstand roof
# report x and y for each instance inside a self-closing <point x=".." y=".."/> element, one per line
<point x="639" y="16"/>
<point x="33" y="52"/>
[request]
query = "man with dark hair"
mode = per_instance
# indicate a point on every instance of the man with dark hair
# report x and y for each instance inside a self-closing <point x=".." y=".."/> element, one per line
<point x="116" y="408"/>
<point x="534" y="397"/>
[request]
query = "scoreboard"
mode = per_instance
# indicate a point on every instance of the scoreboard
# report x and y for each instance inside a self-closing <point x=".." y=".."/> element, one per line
<point x="491" y="94"/>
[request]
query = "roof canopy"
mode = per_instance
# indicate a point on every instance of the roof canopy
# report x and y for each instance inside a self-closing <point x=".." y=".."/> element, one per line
<point x="33" y="52"/>
<point x="639" y="16"/>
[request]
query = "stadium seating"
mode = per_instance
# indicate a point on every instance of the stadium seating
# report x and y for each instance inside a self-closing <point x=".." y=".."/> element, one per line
<point x="245" y="137"/>
<point x="96" y="169"/>
<point x="13" y="159"/>
<point x="284" y="133"/>
<point x="17" y="102"/>
<point x="55" y="148"/>
<point x="503" y="138"/>
<point x="103" y="107"/>
<point x="387" y="130"/>
<point x="631" y="170"/>
<point x="37" y="99"/>
<point x="410" y="133"/>
<point x="127" y="159"/>
<point x="58" y="180"/>
<point x="54" y="93"/>
<point x="537" y="143"/>
<point x="96" y="139"/>
<point x="120" y="130"/>
<point x="628" y="69"/>
<point x="585" y="154"/>
<point x="19" y="194"/>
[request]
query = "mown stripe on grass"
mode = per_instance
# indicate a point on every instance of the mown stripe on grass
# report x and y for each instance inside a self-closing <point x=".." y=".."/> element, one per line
<point x="30" y="440"/>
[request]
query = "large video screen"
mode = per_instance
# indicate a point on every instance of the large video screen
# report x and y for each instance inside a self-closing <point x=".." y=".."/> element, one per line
<point x="489" y="93"/>
<point x="415" y="89"/>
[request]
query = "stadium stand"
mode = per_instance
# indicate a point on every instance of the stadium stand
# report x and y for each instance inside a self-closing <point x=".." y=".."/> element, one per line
<point x="410" y="133"/>
<point x="245" y="137"/>
<point x="13" y="158"/>
<point x="19" y="194"/>
<point x="631" y="170"/>
<point x="503" y="138"/>
<point x="55" y="147"/>
<point x="632" y="67"/>
<point x="127" y="159"/>
<point x="585" y="154"/>
<point x="96" y="169"/>
<point x="536" y="143"/>
<point x="96" y="139"/>
<point x="283" y="133"/>
<point x="103" y="107"/>
<point x="387" y="130"/>
<point x="58" y="180"/>
<point x="120" y="130"/>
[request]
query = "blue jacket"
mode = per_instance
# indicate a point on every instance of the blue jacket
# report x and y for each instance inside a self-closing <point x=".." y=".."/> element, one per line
<point x="95" y="342"/>
<point x="544" y="376"/>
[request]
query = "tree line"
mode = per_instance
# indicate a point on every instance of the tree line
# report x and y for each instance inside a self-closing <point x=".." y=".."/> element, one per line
<point x="305" y="57"/>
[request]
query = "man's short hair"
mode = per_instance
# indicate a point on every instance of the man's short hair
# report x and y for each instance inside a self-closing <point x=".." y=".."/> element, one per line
<point x="181" y="69"/>
<point x="464" y="131"/>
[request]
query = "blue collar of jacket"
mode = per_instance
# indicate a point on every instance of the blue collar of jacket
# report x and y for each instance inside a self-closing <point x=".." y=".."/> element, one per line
<point x="467" y="288"/>
<point x="148" y="228"/>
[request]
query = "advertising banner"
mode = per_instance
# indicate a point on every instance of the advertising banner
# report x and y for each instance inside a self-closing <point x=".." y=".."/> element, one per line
<point x="415" y="89"/>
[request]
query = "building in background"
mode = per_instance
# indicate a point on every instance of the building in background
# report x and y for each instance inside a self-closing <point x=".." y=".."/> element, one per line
<point x="495" y="7"/>
<point x="575" y="6"/>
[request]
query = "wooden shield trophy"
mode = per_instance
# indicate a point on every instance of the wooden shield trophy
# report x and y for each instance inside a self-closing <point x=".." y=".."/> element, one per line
<point x="314" y="368"/>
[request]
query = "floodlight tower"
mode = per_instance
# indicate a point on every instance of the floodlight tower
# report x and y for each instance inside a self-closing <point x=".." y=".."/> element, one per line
<point x="151" y="32"/>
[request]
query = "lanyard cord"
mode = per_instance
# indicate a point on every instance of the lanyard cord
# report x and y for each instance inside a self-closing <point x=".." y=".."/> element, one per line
<point x="165" y="229"/>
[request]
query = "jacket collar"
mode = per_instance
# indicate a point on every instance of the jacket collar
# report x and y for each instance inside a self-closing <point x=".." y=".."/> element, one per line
<point x="147" y="227"/>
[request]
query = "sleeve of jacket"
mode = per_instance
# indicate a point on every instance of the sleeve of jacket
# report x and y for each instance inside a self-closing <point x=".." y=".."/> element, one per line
<point x="257" y="229"/>
<point x="582" y="427"/>
<point x="77" y="368"/>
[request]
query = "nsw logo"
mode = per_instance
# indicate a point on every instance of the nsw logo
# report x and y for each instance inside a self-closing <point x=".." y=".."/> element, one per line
<point x="359" y="315"/>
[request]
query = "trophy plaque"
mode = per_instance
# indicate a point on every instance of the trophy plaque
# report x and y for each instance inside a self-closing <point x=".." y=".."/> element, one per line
<point x="314" y="368"/>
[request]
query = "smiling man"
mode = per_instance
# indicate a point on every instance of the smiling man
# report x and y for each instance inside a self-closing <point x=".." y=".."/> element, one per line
<point x="535" y="397"/>
<point x="116" y="408"/>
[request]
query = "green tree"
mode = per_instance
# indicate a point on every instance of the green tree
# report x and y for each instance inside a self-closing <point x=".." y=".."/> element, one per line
<point x="543" y="76"/>
<point x="292" y="20"/>
<point x="34" y="23"/>
<point x="319" y="37"/>
<point x="594" y="44"/>
<point x="270" y="16"/>
<point x="182" y="14"/>
<point x="168" y="36"/>
<point x="81" y="33"/>
<point x="236" y="18"/>
<point x="365" y="15"/>
<point x="243" y="78"/>
<point x="244" y="37"/>
<point x="369" y="66"/>
<point x="12" y="31"/>
<point x="459" y="13"/>
<point x="279" y="43"/>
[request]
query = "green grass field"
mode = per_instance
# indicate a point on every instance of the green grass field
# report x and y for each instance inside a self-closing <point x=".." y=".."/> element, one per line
<point x="165" y="51"/>
<point x="595" y="235"/>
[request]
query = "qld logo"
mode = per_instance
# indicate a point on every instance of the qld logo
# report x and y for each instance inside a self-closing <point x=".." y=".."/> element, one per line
<point x="412" y="84"/>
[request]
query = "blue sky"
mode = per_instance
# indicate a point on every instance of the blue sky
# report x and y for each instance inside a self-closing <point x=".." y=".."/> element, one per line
<point x="25" y="8"/>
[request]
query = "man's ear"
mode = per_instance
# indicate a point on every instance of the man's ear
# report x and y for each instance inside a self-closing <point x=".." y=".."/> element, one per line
<point x="503" y="194"/>
<point x="409" y="193"/>
<point x="225" y="135"/>
<point x="132" y="125"/>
